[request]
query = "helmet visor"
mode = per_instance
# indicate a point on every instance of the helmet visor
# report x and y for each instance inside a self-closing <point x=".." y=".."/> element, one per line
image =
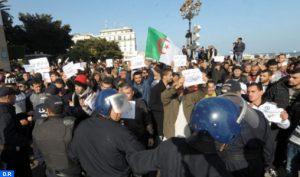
<point x="247" y="113"/>
<point x="119" y="103"/>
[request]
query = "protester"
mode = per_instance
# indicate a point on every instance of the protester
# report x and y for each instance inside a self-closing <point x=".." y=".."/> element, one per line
<point x="163" y="104"/>
<point x="238" y="49"/>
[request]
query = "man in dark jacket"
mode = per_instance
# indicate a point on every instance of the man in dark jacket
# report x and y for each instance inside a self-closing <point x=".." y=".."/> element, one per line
<point x="278" y="92"/>
<point x="53" y="147"/>
<point x="139" y="123"/>
<point x="155" y="102"/>
<point x="100" y="143"/>
<point x="13" y="143"/>
<point x="293" y="133"/>
<point x="238" y="49"/>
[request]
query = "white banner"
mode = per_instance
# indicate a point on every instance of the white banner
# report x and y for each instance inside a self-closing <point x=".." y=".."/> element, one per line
<point x="40" y="65"/>
<point x="219" y="59"/>
<point x="83" y="65"/>
<point x="179" y="60"/>
<point x="46" y="77"/>
<point x="192" y="77"/>
<point x="137" y="62"/>
<point x="109" y="63"/>
<point x="69" y="70"/>
<point x="78" y="66"/>
<point x="28" y="68"/>
<point x="271" y="112"/>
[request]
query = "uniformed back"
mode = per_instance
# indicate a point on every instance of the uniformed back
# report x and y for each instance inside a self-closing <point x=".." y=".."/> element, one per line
<point x="52" y="137"/>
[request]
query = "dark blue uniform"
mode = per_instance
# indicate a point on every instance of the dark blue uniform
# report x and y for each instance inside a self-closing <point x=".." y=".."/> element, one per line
<point x="195" y="156"/>
<point x="102" y="147"/>
<point x="52" y="136"/>
<point x="13" y="143"/>
<point x="252" y="151"/>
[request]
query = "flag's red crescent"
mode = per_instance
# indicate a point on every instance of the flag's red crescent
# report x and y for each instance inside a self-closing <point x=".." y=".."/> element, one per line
<point x="159" y="46"/>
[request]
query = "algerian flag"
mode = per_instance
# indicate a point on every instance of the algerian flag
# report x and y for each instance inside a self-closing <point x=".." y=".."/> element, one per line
<point x="160" y="48"/>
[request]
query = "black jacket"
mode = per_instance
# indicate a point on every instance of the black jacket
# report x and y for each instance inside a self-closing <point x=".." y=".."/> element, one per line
<point x="252" y="151"/>
<point x="141" y="126"/>
<point x="294" y="116"/>
<point x="11" y="133"/>
<point x="239" y="47"/>
<point x="156" y="106"/>
<point x="278" y="93"/>
<point x="155" y="103"/>
<point x="102" y="147"/>
<point x="180" y="157"/>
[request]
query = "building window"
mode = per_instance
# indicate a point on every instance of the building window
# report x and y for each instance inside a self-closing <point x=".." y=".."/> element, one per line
<point x="119" y="38"/>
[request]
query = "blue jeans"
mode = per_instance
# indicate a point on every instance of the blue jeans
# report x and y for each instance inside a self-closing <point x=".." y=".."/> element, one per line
<point x="293" y="159"/>
<point x="238" y="57"/>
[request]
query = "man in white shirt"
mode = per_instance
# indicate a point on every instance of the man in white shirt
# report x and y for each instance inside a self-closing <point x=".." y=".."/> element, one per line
<point x="272" y="113"/>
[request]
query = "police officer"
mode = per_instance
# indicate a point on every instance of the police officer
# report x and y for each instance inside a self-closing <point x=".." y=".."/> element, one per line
<point x="13" y="143"/>
<point x="195" y="156"/>
<point x="100" y="143"/>
<point x="252" y="152"/>
<point x="53" y="146"/>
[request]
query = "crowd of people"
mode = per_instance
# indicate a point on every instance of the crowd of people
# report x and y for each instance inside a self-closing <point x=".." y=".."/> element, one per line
<point x="69" y="127"/>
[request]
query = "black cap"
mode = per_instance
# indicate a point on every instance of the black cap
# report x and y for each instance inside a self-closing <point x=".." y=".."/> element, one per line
<point x="7" y="91"/>
<point x="231" y="86"/>
<point x="55" y="104"/>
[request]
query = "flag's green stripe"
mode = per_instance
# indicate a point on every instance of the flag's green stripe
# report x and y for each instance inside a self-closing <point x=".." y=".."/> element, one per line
<point x="152" y="40"/>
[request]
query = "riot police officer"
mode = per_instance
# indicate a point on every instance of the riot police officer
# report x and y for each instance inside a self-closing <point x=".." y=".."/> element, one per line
<point x="252" y="151"/>
<point x="13" y="142"/>
<point x="195" y="156"/>
<point x="52" y="136"/>
<point x="100" y="143"/>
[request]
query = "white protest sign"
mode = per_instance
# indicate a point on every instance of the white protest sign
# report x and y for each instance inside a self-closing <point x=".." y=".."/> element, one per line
<point x="90" y="101"/>
<point x="131" y="113"/>
<point x="179" y="60"/>
<point x="192" y="77"/>
<point x="83" y="64"/>
<point x="109" y="63"/>
<point x="219" y="59"/>
<point x="137" y="62"/>
<point x="78" y="66"/>
<point x="271" y="112"/>
<point x="69" y="70"/>
<point x="40" y="65"/>
<point x="28" y="68"/>
<point x="46" y="77"/>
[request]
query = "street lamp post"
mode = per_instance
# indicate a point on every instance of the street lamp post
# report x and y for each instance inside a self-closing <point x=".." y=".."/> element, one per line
<point x="188" y="10"/>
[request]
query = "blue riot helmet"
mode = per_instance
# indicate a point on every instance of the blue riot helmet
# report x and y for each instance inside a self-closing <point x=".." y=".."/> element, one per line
<point x="110" y="99"/>
<point x="217" y="116"/>
<point x="102" y="105"/>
